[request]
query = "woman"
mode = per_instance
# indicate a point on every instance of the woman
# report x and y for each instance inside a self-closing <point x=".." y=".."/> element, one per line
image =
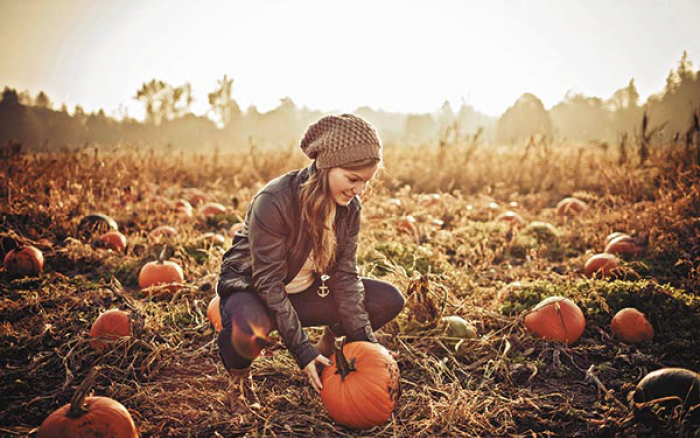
<point x="294" y="264"/>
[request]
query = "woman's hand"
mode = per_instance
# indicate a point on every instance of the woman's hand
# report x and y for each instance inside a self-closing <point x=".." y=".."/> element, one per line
<point x="312" y="373"/>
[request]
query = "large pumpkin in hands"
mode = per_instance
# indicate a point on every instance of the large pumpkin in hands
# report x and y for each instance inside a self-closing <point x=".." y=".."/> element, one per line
<point x="166" y="274"/>
<point x="24" y="261"/>
<point x="109" y="326"/>
<point x="89" y="417"/>
<point x="361" y="387"/>
<point x="630" y="325"/>
<point x="214" y="314"/>
<point x="556" y="319"/>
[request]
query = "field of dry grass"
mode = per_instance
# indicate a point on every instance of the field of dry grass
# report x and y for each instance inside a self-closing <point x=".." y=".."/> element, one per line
<point x="455" y="259"/>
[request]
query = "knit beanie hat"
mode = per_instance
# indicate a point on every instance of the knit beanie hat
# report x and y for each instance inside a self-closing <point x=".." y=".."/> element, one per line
<point x="337" y="140"/>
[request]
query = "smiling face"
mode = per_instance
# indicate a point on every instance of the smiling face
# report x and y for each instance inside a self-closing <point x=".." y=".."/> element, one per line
<point x="347" y="183"/>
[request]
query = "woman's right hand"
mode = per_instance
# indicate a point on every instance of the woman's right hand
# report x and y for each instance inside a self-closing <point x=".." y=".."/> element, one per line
<point x="312" y="373"/>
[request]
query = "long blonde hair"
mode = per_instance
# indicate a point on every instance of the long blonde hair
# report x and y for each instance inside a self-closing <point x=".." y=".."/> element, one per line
<point x="318" y="212"/>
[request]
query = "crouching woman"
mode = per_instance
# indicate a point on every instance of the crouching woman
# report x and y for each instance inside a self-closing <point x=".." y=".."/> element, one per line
<point x="293" y="265"/>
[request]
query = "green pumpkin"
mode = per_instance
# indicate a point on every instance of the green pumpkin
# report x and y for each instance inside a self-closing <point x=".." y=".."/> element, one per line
<point x="458" y="327"/>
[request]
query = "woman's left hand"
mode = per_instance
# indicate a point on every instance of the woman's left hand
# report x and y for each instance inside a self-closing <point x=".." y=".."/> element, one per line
<point x="312" y="373"/>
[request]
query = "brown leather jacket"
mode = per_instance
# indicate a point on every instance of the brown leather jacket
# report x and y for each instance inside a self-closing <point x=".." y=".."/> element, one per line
<point x="270" y="251"/>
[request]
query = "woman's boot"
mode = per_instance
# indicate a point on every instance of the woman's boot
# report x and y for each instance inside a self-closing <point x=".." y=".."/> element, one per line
<point x="326" y="345"/>
<point x="242" y="391"/>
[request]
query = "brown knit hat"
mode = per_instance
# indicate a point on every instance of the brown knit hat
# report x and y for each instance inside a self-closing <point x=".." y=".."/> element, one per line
<point x="337" y="140"/>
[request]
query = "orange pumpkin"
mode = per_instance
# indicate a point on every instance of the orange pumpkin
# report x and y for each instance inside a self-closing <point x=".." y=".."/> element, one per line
<point x="195" y="196"/>
<point x="183" y="208"/>
<point x="162" y="232"/>
<point x="234" y="228"/>
<point x="213" y="238"/>
<point x="614" y="235"/>
<point x="570" y="207"/>
<point x="166" y="274"/>
<point x="407" y="224"/>
<point x="89" y="417"/>
<point x="630" y="325"/>
<point x="557" y="319"/>
<point x="96" y="225"/>
<point x="601" y="265"/>
<point x="109" y="326"/>
<point x="512" y="218"/>
<point x="113" y="240"/>
<point x="623" y="246"/>
<point x="212" y="209"/>
<point x="25" y="261"/>
<point x="361" y="387"/>
<point x="213" y="313"/>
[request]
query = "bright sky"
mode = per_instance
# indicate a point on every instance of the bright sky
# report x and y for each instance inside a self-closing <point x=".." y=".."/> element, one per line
<point x="331" y="55"/>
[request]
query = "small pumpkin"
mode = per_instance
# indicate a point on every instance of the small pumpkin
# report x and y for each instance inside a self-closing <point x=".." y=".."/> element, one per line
<point x="630" y="325"/>
<point x="213" y="238"/>
<point x="212" y="209"/>
<point x="26" y="261"/>
<point x="614" y="235"/>
<point x="457" y="327"/>
<point x="541" y="231"/>
<point x="113" y="240"/>
<point x="162" y="232"/>
<point x="407" y="224"/>
<point x="95" y="225"/>
<point x="235" y="228"/>
<point x="361" y="387"/>
<point x="601" y="265"/>
<point x="570" y="207"/>
<point x="214" y="314"/>
<point x="89" y="417"/>
<point x="164" y="273"/>
<point x="195" y="196"/>
<point x="109" y="326"/>
<point x="623" y="246"/>
<point x="183" y="208"/>
<point x="670" y="382"/>
<point x="512" y="218"/>
<point x="557" y="319"/>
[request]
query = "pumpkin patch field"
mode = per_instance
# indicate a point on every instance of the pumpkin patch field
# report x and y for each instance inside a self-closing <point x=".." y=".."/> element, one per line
<point x="543" y="283"/>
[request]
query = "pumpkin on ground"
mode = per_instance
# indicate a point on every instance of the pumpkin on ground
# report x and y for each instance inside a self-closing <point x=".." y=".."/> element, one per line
<point x="96" y="225"/>
<point x="195" y="196"/>
<point x="212" y="209"/>
<point x="212" y="238"/>
<point x="543" y="232"/>
<point x="183" y="208"/>
<point x="89" y="417"/>
<point x="235" y="228"/>
<point x="213" y="313"/>
<point x="670" y="386"/>
<point x="557" y="319"/>
<point x="164" y="273"/>
<point x="457" y="327"/>
<point x="512" y="218"/>
<point x="624" y="246"/>
<point x="570" y="207"/>
<point x="601" y="265"/>
<point x="162" y="232"/>
<point x="406" y="224"/>
<point x="109" y="326"/>
<point x="361" y="387"/>
<point x="24" y="261"/>
<point x="614" y="235"/>
<point x="113" y="240"/>
<point x="630" y="325"/>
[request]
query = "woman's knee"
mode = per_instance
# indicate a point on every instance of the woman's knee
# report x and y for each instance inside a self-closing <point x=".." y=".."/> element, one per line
<point x="385" y="296"/>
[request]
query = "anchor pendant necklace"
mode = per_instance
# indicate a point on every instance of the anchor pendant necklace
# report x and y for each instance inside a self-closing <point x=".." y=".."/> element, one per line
<point x="323" y="290"/>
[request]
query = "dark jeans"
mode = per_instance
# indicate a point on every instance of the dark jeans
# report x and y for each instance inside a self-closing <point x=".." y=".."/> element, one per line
<point x="245" y="309"/>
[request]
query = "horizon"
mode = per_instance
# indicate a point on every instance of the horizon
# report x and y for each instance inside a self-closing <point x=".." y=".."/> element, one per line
<point x="97" y="55"/>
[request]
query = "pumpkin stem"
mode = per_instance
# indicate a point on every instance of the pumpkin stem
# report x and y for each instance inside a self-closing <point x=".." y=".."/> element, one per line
<point x="344" y="367"/>
<point x="77" y="408"/>
<point x="161" y="256"/>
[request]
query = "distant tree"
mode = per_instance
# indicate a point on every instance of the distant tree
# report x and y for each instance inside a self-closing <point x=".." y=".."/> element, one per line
<point x="42" y="101"/>
<point x="222" y="104"/>
<point x="163" y="101"/>
<point x="527" y="117"/>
